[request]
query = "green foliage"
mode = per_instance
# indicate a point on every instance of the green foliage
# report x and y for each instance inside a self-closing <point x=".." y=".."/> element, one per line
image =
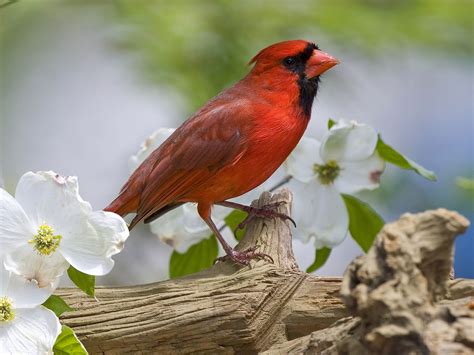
<point x="320" y="259"/>
<point x="331" y="123"/>
<point x="198" y="257"/>
<point x="67" y="343"/>
<point x="200" y="47"/>
<point x="57" y="305"/>
<point x="392" y="156"/>
<point x="6" y="3"/>
<point x="233" y="220"/>
<point x="465" y="183"/>
<point x="364" y="222"/>
<point x="85" y="282"/>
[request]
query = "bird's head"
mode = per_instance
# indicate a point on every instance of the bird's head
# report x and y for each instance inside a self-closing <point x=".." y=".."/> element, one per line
<point x="292" y="64"/>
<point x="298" y="57"/>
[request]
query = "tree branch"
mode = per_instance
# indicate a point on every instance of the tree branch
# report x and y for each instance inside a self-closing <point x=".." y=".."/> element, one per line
<point x="397" y="294"/>
<point x="233" y="309"/>
<point x="227" y="308"/>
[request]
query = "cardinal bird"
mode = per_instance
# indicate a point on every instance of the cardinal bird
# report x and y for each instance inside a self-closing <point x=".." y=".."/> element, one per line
<point x="233" y="143"/>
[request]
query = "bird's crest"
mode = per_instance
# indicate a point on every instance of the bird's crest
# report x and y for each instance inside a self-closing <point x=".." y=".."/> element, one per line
<point x="280" y="50"/>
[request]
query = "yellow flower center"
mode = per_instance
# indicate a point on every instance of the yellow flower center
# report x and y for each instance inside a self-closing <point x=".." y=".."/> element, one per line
<point x="45" y="242"/>
<point x="327" y="173"/>
<point x="6" y="311"/>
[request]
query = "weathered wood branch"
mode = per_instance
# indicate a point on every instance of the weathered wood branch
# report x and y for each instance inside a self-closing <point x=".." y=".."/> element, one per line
<point x="229" y="308"/>
<point x="401" y="295"/>
<point x="225" y="309"/>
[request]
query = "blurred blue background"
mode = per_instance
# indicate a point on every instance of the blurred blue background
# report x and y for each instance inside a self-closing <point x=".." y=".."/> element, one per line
<point x="83" y="83"/>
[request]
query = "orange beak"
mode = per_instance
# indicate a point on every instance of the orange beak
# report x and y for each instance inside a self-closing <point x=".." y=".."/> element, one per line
<point x="318" y="63"/>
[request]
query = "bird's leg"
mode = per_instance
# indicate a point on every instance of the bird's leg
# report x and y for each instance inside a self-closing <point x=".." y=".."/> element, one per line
<point x="240" y="257"/>
<point x="267" y="211"/>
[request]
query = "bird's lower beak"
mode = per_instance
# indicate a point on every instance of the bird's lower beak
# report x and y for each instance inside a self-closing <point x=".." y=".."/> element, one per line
<point x="318" y="63"/>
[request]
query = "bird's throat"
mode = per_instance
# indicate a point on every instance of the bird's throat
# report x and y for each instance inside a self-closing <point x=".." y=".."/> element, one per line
<point x="308" y="90"/>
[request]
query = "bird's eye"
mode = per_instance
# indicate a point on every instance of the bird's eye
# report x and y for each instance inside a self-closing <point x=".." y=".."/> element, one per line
<point x="289" y="61"/>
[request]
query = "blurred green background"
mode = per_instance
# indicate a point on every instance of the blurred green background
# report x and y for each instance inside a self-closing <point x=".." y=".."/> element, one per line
<point x="84" y="82"/>
<point x="199" y="46"/>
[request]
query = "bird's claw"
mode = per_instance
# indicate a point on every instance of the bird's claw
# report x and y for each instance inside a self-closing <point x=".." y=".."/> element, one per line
<point x="244" y="257"/>
<point x="267" y="211"/>
<point x="244" y="223"/>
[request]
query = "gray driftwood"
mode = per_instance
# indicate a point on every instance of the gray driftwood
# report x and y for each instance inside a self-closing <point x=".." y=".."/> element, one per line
<point x="400" y="295"/>
<point x="399" y="288"/>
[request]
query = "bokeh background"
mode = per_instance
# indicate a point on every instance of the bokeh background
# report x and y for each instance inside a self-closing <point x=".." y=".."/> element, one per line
<point x="83" y="83"/>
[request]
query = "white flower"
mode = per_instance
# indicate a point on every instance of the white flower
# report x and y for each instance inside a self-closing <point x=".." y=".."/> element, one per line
<point x="49" y="226"/>
<point x="182" y="227"/>
<point x="26" y="327"/>
<point x="344" y="162"/>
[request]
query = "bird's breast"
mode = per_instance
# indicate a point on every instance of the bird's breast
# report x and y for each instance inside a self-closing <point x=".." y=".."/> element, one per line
<point x="268" y="145"/>
<point x="273" y="139"/>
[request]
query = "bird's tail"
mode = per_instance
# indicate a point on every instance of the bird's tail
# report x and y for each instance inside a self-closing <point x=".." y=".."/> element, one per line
<point x="123" y="205"/>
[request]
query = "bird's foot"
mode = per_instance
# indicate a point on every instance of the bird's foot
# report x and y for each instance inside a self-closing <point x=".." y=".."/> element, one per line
<point x="267" y="211"/>
<point x="244" y="257"/>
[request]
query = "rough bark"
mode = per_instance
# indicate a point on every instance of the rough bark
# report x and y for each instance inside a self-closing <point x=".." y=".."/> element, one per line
<point x="224" y="309"/>
<point x="233" y="309"/>
<point x="400" y="295"/>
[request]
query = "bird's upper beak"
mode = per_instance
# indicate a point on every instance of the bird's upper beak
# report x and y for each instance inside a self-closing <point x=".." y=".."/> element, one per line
<point x="318" y="63"/>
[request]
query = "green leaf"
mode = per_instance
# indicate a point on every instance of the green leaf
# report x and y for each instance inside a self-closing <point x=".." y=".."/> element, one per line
<point x="67" y="343"/>
<point x="84" y="281"/>
<point x="392" y="156"/>
<point x="233" y="220"/>
<point x="198" y="257"/>
<point x="364" y="222"/>
<point x="320" y="259"/>
<point x="465" y="183"/>
<point x="331" y="123"/>
<point x="57" y="305"/>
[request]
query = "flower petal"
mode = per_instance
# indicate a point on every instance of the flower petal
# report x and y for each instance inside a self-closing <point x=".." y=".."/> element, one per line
<point x="348" y="141"/>
<point x="185" y="240"/>
<point x="180" y="228"/>
<point x="301" y="161"/>
<point x="15" y="227"/>
<point x="218" y="214"/>
<point x="192" y="222"/>
<point x="43" y="270"/>
<point x="23" y="293"/>
<point x="320" y="212"/>
<point x="33" y="331"/>
<point x="355" y="176"/>
<point x="89" y="247"/>
<point x="50" y="198"/>
<point x="149" y="145"/>
<point x="167" y="225"/>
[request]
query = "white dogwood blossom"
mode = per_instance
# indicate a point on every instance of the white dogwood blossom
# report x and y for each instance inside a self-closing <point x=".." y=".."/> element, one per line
<point x="344" y="162"/>
<point x="182" y="227"/>
<point x="48" y="226"/>
<point x="26" y="327"/>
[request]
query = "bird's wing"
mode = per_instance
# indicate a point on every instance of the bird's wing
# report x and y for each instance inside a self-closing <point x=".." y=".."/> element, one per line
<point x="213" y="139"/>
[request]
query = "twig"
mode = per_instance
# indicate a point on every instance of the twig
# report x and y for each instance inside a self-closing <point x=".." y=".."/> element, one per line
<point x="284" y="181"/>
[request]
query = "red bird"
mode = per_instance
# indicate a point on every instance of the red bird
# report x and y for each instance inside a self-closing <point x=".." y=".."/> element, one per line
<point x="233" y="143"/>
